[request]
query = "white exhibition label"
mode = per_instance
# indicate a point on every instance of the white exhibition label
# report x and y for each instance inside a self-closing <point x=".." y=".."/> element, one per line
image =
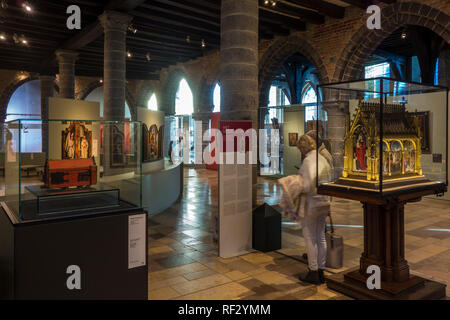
<point x="94" y="147"/>
<point x="136" y="241"/>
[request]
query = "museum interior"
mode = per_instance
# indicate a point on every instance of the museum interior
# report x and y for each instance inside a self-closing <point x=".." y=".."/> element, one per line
<point x="116" y="100"/>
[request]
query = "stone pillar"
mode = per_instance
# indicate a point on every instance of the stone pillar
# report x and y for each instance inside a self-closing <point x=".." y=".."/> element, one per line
<point x="336" y="112"/>
<point x="444" y="68"/>
<point x="239" y="64"/>
<point x="239" y="60"/>
<point x="115" y="25"/>
<point x="66" y="61"/>
<point x="47" y="90"/>
<point x="203" y="118"/>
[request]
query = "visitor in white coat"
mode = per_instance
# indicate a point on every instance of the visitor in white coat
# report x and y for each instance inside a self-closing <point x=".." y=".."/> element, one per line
<point x="313" y="208"/>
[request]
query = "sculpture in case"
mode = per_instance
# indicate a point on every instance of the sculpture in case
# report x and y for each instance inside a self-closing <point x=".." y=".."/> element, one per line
<point x="398" y="156"/>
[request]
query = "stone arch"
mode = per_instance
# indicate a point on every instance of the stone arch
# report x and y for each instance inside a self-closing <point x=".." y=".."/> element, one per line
<point x="350" y="65"/>
<point x="170" y="88"/>
<point x="88" y="89"/>
<point x="129" y="98"/>
<point x="7" y="93"/>
<point x="275" y="56"/>
<point x="206" y="94"/>
<point x="145" y="93"/>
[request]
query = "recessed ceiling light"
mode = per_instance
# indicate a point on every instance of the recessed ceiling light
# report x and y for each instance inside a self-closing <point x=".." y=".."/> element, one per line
<point x="129" y="55"/>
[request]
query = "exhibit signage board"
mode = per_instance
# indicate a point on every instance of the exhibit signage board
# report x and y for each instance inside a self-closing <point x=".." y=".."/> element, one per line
<point x="235" y="198"/>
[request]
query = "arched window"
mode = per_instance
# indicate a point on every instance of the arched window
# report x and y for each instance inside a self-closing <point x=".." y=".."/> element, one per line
<point x="309" y="95"/>
<point x="25" y="102"/>
<point x="184" y="100"/>
<point x="216" y="98"/>
<point x="309" y="99"/>
<point x="273" y="96"/>
<point x="96" y="95"/>
<point x="153" y="103"/>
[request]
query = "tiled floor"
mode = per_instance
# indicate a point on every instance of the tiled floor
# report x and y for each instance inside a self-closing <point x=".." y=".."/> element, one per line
<point x="184" y="263"/>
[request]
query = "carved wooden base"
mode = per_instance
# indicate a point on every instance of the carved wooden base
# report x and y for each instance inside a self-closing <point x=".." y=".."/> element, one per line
<point x="353" y="284"/>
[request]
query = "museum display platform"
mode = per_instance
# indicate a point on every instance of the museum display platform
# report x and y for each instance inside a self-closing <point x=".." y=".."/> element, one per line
<point x="36" y="256"/>
<point x="384" y="244"/>
<point x="383" y="163"/>
<point x="64" y="201"/>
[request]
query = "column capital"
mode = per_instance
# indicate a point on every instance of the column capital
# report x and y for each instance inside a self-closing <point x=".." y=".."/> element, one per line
<point x="114" y="20"/>
<point x="63" y="55"/>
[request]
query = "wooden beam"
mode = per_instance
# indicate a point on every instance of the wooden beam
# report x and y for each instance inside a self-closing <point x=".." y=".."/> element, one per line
<point x="286" y="9"/>
<point x="273" y="19"/>
<point x="322" y="7"/>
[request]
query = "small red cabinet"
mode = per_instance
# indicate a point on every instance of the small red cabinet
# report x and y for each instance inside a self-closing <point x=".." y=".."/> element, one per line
<point x="70" y="173"/>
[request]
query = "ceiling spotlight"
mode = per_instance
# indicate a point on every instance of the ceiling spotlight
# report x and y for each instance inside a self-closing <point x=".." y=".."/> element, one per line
<point x="148" y="57"/>
<point x="203" y="43"/>
<point x="101" y="80"/>
<point x="272" y="3"/>
<point x="27" y="7"/>
<point x="404" y="35"/>
<point x="129" y="55"/>
<point x="188" y="39"/>
<point x="132" y="29"/>
<point x="2" y="36"/>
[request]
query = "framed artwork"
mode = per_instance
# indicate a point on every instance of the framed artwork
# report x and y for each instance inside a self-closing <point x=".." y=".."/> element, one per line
<point x="293" y="138"/>
<point x="424" y="123"/>
<point x="152" y="143"/>
<point x="360" y="146"/>
<point x="117" y="147"/>
<point x="76" y="141"/>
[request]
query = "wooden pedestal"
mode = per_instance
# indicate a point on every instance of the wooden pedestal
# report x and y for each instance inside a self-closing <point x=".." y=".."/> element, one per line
<point x="384" y="246"/>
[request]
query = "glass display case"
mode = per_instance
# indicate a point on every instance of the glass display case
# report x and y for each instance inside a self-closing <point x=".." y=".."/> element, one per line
<point x="291" y="121"/>
<point x="60" y="168"/>
<point x="384" y="136"/>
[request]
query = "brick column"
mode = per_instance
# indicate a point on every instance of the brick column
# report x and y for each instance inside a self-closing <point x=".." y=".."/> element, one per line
<point x="444" y="68"/>
<point x="203" y="118"/>
<point x="115" y="25"/>
<point x="239" y="64"/>
<point x="47" y="90"/>
<point x="66" y="61"/>
<point x="336" y="112"/>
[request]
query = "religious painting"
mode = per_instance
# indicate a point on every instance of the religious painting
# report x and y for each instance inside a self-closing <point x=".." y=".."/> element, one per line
<point x="410" y="157"/>
<point x="396" y="158"/>
<point x="161" y="142"/>
<point x="385" y="163"/>
<point x="117" y="147"/>
<point x="424" y="125"/>
<point x="152" y="141"/>
<point x="133" y="152"/>
<point x="360" y="150"/>
<point x="76" y="141"/>
<point x="293" y="138"/>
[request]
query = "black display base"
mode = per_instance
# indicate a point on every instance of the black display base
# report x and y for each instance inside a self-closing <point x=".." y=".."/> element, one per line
<point x="266" y="229"/>
<point x="353" y="284"/>
<point x="35" y="257"/>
